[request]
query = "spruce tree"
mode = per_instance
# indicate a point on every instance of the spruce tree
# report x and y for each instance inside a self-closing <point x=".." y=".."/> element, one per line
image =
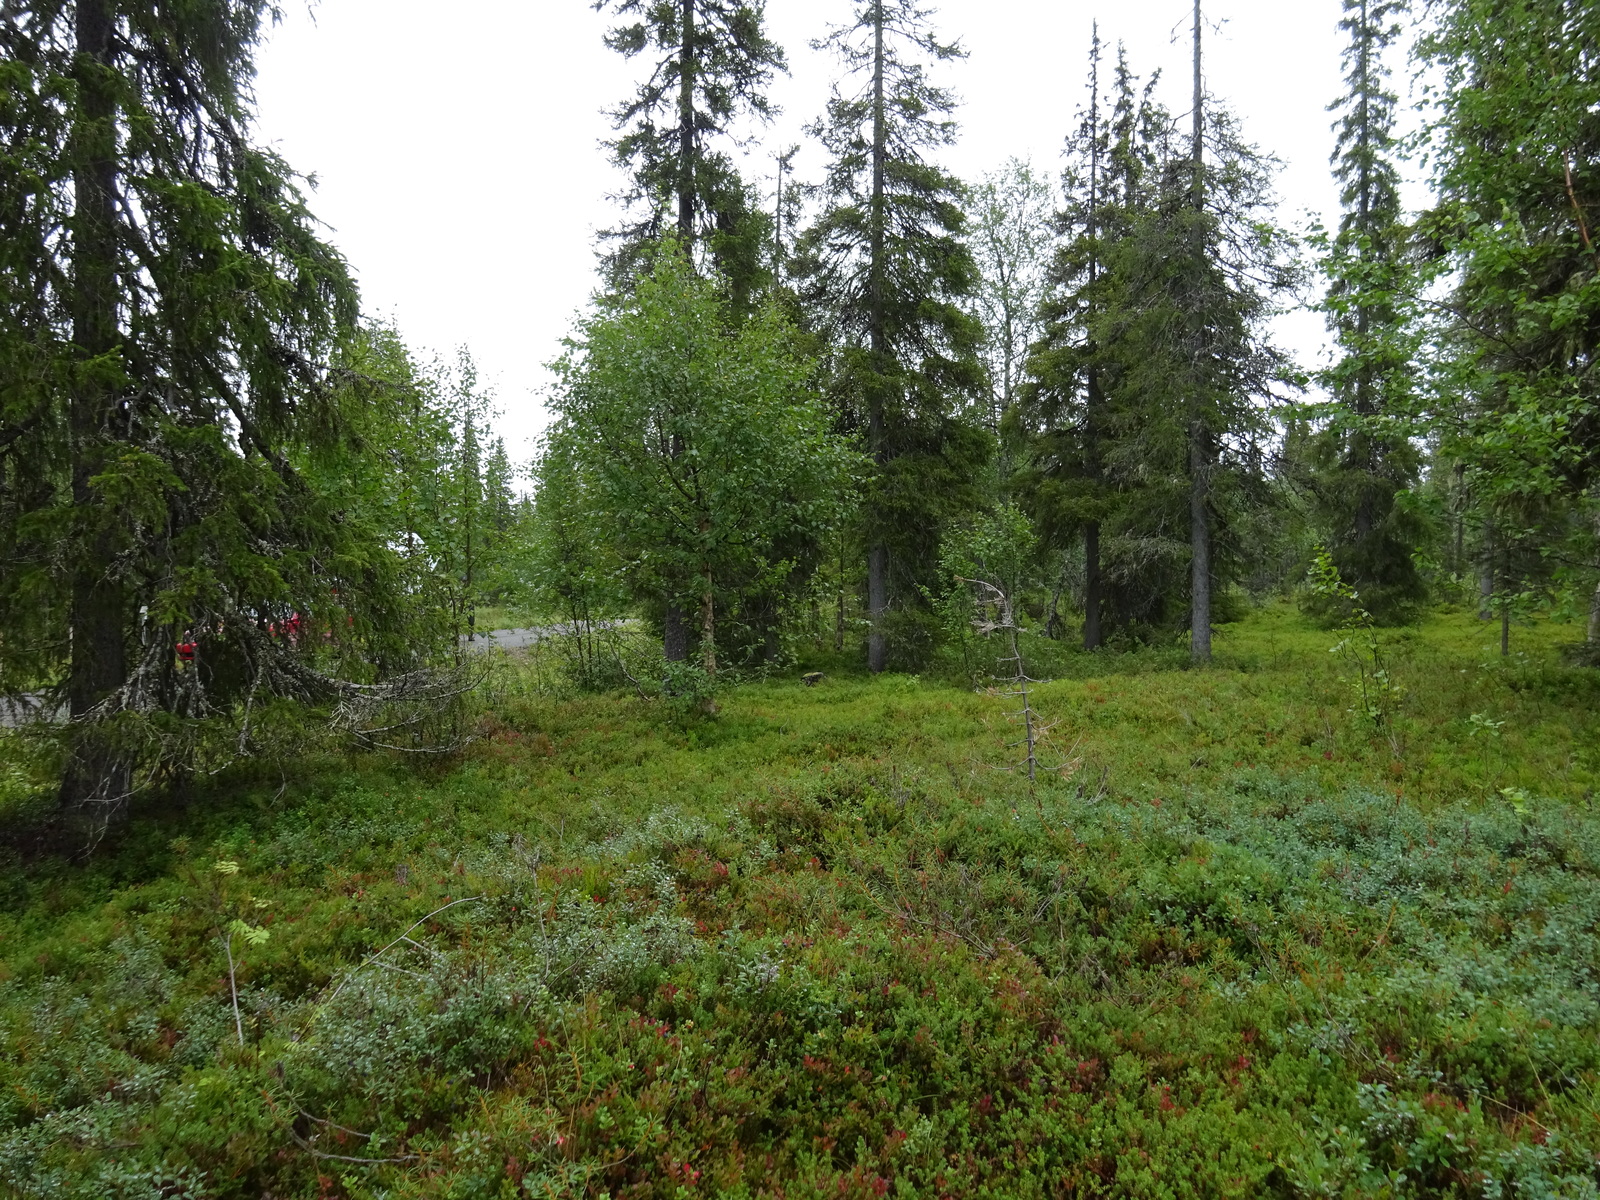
<point x="1062" y="414"/>
<point x="1362" y="458"/>
<point x="887" y="270"/>
<point x="1217" y="263"/>
<point x="166" y="312"/>
<point x="1146" y="402"/>
<point x="710" y="62"/>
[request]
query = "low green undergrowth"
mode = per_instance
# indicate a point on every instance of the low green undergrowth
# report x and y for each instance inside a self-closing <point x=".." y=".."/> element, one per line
<point x="823" y="946"/>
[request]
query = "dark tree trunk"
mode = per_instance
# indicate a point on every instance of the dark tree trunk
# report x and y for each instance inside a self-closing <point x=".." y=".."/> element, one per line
<point x="1091" y="587"/>
<point x="1091" y="416"/>
<point x="708" y="626"/>
<point x="96" y="773"/>
<point x="877" y="552"/>
<point x="1458" y="563"/>
<point x="686" y="72"/>
<point x="675" y="627"/>
<point x="1366" y="450"/>
<point x="675" y="635"/>
<point x="1200" y="544"/>
<point x="1199" y="435"/>
<point x="877" y="606"/>
<point x="1594" y="604"/>
<point x="1486" y="577"/>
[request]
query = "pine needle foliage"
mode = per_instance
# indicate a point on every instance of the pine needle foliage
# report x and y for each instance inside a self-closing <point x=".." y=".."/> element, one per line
<point x="710" y="63"/>
<point x="1155" y="346"/>
<point x="167" y="309"/>
<point x="888" y="271"/>
<point x="1362" y="458"/>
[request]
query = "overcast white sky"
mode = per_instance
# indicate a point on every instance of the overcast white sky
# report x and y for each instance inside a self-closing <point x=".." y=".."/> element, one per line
<point x="456" y="147"/>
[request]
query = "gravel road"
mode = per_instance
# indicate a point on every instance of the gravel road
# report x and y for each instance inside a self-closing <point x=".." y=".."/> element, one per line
<point x="521" y="639"/>
<point x="19" y="710"/>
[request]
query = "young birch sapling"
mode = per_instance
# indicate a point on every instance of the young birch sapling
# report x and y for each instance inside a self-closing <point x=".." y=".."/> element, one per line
<point x="1375" y="692"/>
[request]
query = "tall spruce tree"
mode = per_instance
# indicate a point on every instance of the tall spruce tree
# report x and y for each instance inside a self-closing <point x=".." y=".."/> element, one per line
<point x="1149" y="384"/>
<point x="1362" y="459"/>
<point x="710" y="65"/>
<point x="886" y="268"/>
<point x="1218" y="265"/>
<point x="1062" y="413"/>
<point x="166" y="310"/>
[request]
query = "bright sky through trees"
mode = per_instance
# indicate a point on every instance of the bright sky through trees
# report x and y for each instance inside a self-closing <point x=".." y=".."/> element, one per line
<point x="460" y="168"/>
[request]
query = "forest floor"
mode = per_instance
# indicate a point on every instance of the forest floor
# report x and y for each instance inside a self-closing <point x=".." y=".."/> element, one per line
<point x="1242" y="943"/>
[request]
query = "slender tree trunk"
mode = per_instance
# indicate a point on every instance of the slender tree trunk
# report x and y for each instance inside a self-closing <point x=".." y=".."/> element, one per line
<point x="1366" y="456"/>
<point x="1200" y="544"/>
<point x="838" y="628"/>
<point x="1503" y="590"/>
<point x="1092" y="638"/>
<point x="1091" y="533"/>
<point x="1594" y="604"/>
<point x="686" y="73"/>
<point x="1486" y="576"/>
<point x="1460" y="501"/>
<point x="96" y="772"/>
<point x="877" y="551"/>
<point x="708" y="624"/>
<point x="777" y="227"/>
<point x="1199" y="437"/>
<point x="675" y="625"/>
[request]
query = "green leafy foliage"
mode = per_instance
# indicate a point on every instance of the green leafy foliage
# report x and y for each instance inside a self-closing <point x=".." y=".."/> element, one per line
<point x="1154" y="337"/>
<point x="1372" y="683"/>
<point x="700" y="450"/>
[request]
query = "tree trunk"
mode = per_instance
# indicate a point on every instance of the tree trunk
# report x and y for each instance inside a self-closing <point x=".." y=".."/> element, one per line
<point x="686" y="65"/>
<point x="675" y="626"/>
<point x="1199" y="545"/>
<point x="675" y="635"/>
<point x="1486" y="578"/>
<point x="1199" y="441"/>
<point x="877" y="552"/>
<point x="1091" y="533"/>
<point x="96" y="772"/>
<point x="1460" y="503"/>
<point x="708" y="626"/>
<point x="1594" y="604"/>
<point x="877" y="607"/>
<point x="1091" y="586"/>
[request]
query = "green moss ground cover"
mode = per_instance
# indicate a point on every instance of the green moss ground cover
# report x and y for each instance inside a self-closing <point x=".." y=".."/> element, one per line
<point x="822" y="946"/>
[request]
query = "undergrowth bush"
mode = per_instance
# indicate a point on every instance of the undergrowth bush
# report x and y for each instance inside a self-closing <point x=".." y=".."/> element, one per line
<point x="819" y="947"/>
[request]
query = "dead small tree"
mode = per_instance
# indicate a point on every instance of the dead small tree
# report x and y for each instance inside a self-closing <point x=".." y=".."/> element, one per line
<point x="997" y="614"/>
